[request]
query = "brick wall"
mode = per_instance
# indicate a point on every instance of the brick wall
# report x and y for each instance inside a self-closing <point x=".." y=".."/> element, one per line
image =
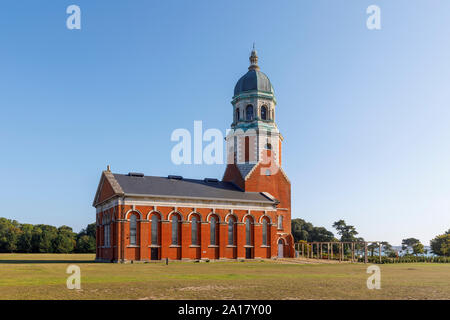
<point x="121" y="249"/>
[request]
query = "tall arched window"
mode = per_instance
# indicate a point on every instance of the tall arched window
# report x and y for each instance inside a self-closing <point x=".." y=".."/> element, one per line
<point x="264" y="113"/>
<point x="231" y="222"/>
<point x="175" y="229"/>
<point x="248" y="231"/>
<point x="265" y="232"/>
<point x="213" y="230"/>
<point x="280" y="222"/>
<point x="155" y="229"/>
<point x="106" y="231"/>
<point x="194" y="230"/>
<point x="238" y="116"/>
<point x="249" y="112"/>
<point x="133" y="229"/>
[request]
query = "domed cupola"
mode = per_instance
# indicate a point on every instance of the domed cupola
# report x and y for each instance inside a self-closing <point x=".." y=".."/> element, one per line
<point x="253" y="80"/>
<point x="253" y="100"/>
<point x="253" y="130"/>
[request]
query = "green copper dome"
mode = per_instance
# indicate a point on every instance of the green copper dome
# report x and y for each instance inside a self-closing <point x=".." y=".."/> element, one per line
<point x="253" y="80"/>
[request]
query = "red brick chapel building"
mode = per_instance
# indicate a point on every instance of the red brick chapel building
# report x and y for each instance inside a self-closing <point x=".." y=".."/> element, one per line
<point x="247" y="215"/>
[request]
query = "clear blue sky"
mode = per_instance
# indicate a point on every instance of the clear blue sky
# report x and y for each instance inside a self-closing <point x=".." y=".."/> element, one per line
<point x="365" y="114"/>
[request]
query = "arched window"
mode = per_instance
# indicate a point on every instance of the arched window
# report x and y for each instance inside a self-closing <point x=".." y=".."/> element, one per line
<point x="175" y="229"/>
<point x="268" y="146"/>
<point x="106" y="232"/>
<point x="155" y="229"/>
<point x="268" y="173"/>
<point x="265" y="232"/>
<point x="238" y="116"/>
<point x="264" y="113"/>
<point x="248" y="231"/>
<point x="280" y="222"/>
<point x="249" y="112"/>
<point x="213" y="230"/>
<point x="108" y="229"/>
<point x="231" y="222"/>
<point x="133" y="229"/>
<point x="194" y="230"/>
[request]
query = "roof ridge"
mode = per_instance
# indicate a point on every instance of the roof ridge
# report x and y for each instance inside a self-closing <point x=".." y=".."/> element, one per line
<point x="154" y="186"/>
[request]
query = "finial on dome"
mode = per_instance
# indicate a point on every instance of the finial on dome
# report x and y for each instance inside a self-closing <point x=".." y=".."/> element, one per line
<point x="253" y="59"/>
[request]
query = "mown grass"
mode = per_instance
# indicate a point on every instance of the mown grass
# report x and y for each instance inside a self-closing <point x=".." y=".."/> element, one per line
<point x="43" y="276"/>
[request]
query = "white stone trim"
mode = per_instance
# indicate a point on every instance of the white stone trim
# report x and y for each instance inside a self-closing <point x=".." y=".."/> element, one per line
<point x="246" y="215"/>
<point x="208" y="204"/>
<point x="175" y="211"/>
<point x="194" y="212"/>
<point x="154" y="211"/>
<point x="231" y="214"/>
<point x="210" y="214"/>
<point x="265" y="215"/>
<point x="133" y="210"/>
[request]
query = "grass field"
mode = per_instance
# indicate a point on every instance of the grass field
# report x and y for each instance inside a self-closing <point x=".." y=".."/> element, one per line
<point x="43" y="276"/>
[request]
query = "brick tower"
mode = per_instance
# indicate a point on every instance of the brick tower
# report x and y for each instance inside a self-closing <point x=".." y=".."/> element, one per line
<point x="254" y="147"/>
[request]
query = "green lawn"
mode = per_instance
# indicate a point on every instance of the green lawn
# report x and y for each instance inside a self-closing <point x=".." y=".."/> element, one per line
<point x="43" y="276"/>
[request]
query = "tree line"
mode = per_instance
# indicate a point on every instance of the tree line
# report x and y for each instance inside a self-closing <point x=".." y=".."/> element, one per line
<point x="42" y="238"/>
<point x="306" y="231"/>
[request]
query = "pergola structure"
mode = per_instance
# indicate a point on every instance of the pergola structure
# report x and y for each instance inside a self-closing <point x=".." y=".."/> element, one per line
<point x="306" y="249"/>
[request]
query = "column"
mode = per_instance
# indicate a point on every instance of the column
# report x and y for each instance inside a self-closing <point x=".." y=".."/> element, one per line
<point x="205" y="241"/>
<point x="240" y="240"/>
<point x="379" y="251"/>
<point x="365" y="252"/>
<point x="143" y="239"/>
<point x="223" y="239"/>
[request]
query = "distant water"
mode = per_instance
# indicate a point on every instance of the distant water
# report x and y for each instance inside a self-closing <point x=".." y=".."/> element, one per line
<point x="401" y="252"/>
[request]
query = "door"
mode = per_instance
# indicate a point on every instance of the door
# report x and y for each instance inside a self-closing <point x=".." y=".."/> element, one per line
<point x="280" y="248"/>
<point x="248" y="253"/>
<point x="154" y="254"/>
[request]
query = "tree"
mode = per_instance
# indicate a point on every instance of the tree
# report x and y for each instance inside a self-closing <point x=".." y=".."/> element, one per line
<point x="25" y="240"/>
<point x="302" y="230"/>
<point x="372" y="247"/>
<point x="85" y="242"/>
<point x="43" y="238"/>
<point x="409" y="243"/>
<point x="418" y="249"/>
<point x="89" y="231"/>
<point x="440" y="245"/>
<point x="321" y="234"/>
<point x="388" y="250"/>
<point x="64" y="241"/>
<point x="9" y="233"/>
<point x="346" y="232"/>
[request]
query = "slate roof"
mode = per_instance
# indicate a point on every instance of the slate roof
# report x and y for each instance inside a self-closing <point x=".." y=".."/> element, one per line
<point x="253" y="80"/>
<point x="245" y="168"/>
<point x="186" y="188"/>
